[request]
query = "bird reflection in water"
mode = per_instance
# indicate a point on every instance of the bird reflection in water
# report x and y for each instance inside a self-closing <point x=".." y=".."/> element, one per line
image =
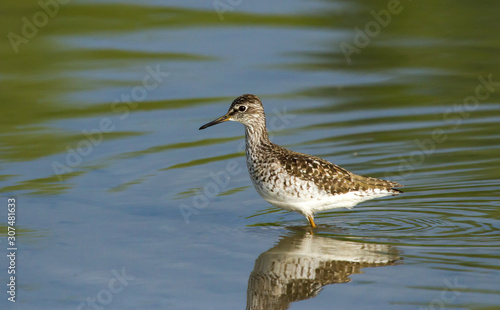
<point x="300" y="265"/>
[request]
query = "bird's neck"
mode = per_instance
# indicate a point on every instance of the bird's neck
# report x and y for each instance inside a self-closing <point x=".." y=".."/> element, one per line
<point x="256" y="136"/>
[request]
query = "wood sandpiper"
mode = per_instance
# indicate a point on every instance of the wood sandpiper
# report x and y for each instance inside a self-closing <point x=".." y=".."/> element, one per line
<point x="294" y="181"/>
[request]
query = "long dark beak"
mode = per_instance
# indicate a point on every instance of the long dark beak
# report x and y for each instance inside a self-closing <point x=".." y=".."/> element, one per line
<point x="221" y="119"/>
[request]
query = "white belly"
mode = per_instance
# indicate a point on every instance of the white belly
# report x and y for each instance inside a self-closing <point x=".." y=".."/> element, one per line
<point x="305" y="197"/>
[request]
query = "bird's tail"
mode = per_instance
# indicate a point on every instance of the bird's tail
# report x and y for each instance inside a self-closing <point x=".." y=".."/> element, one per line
<point x="382" y="184"/>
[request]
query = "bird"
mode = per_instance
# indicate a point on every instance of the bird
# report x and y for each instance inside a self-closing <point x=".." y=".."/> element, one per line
<point x="295" y="181"/>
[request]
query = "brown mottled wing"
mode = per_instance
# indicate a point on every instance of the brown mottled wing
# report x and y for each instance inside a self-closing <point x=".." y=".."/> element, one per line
<point x="327" y="176"/>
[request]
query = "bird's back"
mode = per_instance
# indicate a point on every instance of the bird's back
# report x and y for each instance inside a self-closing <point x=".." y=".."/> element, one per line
<point x="327" y="176"/>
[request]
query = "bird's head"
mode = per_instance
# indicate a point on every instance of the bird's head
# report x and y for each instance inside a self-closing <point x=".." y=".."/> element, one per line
<point x="246" y="109"/>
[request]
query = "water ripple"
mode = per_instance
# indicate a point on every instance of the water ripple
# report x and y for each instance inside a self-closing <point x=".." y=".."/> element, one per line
<point x="419" y="227"/>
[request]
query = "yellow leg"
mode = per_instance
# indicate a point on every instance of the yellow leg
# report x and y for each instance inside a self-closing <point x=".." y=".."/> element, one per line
<point x="311" y="221"/>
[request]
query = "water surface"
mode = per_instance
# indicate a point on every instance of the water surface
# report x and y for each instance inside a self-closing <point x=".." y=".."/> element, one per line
<point x="100" y="146"/>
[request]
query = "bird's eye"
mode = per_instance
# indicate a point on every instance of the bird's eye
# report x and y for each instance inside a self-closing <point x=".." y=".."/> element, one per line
<point x="242" y="108"/>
